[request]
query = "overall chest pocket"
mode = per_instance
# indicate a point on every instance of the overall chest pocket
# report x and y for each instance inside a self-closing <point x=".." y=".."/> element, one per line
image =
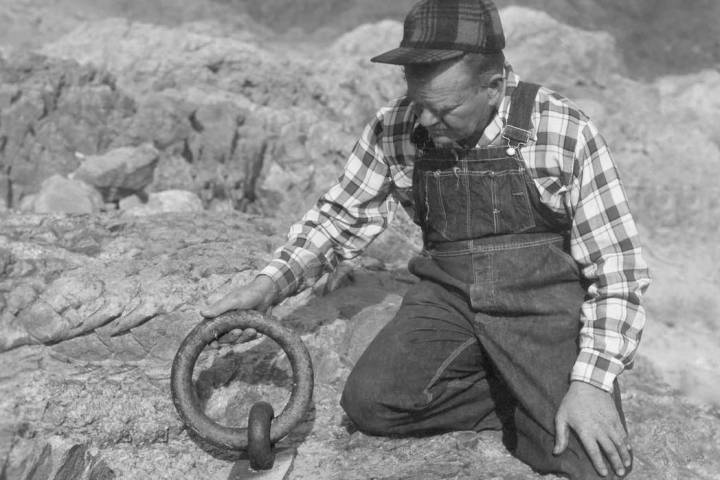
<point x="460" y="204"/>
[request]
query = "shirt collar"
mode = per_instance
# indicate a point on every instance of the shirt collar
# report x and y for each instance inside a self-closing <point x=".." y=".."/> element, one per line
<point x="493" y="132"/>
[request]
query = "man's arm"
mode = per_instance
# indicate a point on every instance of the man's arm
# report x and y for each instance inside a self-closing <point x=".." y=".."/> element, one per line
<point x="340" y="226"/>
<point x="604" y="242"/>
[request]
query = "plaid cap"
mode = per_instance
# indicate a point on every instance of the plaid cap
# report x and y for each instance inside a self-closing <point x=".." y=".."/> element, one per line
<point x="438" y="30"/>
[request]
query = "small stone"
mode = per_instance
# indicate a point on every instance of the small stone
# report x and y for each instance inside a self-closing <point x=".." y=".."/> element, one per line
<point x="163" y="202"/>
<point x="62" y="195"/>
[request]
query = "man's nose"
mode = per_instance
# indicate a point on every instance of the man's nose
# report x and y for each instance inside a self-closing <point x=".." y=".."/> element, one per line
<point x="427" y="118"/>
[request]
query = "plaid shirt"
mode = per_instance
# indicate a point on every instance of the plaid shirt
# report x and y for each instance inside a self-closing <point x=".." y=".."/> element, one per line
<point x="574" y="172"/>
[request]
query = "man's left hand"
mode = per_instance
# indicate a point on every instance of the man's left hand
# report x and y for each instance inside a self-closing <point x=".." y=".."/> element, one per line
<point x="592" y="415"/>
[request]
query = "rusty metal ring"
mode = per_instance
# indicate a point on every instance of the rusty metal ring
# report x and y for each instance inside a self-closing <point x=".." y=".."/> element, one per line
<point x="185" y="396"/>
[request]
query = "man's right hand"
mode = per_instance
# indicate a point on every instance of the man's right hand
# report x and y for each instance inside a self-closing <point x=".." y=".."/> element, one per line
<point x="258" y="295"/>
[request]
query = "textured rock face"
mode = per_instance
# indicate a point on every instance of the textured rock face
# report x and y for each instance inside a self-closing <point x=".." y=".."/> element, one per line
<point x="578" y="57"/>
<point x="253" y="114"/>
<point x="49" y="110"/>
<point x="246" y="121"/>
<point x="98" y="405"/>
<point x="66" y="277"/>
<point x="236" y="112"/>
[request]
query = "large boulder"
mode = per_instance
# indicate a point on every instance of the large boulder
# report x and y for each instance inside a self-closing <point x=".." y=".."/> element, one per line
<point x="119" y="172"/>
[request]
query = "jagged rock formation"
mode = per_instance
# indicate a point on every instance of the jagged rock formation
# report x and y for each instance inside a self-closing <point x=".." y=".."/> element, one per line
<point x="258" y="105"/>
<point x="295" y="124"/>
<point x="49" y="110"/>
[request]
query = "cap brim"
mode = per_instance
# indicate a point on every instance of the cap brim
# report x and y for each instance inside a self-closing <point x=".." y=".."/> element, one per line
<point x="409" y="56"/>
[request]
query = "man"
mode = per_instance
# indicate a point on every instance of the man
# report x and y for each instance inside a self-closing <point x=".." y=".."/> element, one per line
<point x="528" y="304"/>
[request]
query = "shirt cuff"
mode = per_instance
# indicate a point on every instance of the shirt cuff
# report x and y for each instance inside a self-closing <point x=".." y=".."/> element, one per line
<point x="285" y="279"/>
<point x="596" y="368"/>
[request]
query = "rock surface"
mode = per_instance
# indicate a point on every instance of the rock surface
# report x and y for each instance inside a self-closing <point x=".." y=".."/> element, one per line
<point x="132" y="295"/>
<point x="49" y="110"/>
<point x="291" y="143"/>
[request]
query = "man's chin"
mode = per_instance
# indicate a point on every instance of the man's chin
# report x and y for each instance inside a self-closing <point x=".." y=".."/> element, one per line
<point x="443" y="141"/>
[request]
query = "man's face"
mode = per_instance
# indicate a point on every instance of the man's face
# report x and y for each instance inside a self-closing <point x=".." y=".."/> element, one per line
<point x="454" y="104"/>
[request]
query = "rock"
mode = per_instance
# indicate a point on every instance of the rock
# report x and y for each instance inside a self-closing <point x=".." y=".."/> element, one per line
<point x="49" y="110"/>
<point x="54" y="458"/>
<point x="162" y="202"/>
<point x="119" y="171"/>
<point x="124" y="292"/>
<point x="253" y="107"/>
<point x="369" y="39"/>
<point x="581" y="57"/>
<point x="75" y="275"/>
<point x="161" y="120"/>
<point x="61" y="195"/>
<point x="693" y="98"/>
<point x="216" y="135"/>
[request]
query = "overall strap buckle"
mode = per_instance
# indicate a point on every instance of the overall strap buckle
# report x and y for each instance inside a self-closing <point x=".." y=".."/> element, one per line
<point x="517" y="132"/>
<point x="515" y="136"/>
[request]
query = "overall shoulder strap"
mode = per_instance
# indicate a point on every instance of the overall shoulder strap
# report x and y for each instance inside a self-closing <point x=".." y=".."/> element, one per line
<point x="522" y="101"/>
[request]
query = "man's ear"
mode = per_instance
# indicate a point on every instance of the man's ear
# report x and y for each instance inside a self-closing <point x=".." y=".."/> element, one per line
<point x="496" y="89"/>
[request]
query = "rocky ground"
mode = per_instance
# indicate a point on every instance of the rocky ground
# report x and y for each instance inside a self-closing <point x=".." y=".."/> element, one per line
<point x="212" y="136"/>
<point x="98" y="406"/>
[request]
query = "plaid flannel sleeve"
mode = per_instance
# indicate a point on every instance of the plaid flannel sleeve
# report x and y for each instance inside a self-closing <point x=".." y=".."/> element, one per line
<point x="342" y="223"/>
<point x="604" y="241"/>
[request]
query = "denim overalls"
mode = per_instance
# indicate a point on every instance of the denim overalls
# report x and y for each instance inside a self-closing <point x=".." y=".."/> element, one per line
<point x="489" y="336"/>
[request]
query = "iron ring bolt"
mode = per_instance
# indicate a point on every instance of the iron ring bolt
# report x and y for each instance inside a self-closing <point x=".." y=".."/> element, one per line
<point x="264" y="430"/>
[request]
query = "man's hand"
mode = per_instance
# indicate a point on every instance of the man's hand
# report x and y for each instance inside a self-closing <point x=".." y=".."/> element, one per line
<point x="256" y="295"/>
<point x="591" y="413"/>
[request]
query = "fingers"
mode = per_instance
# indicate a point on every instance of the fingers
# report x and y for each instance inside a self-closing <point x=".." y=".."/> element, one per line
<point x="613" y="455"/>
<point x="622" y="444"/>
<point x="238" y="336"/>
<point x="615" y="446"/>
<point x="258" y="294"/>
<point x="561" y="433"/>
<point x="235" y="336"/>
<point x="593" y="451"/>
<point x="225" y="304"/>
<point x="231" y="337"/>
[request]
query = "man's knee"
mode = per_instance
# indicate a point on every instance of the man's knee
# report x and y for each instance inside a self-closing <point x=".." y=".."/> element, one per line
<point x="362" y="401"/>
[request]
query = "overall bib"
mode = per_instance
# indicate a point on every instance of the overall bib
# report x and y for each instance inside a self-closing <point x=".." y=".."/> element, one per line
<point x="488" y="337"/>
